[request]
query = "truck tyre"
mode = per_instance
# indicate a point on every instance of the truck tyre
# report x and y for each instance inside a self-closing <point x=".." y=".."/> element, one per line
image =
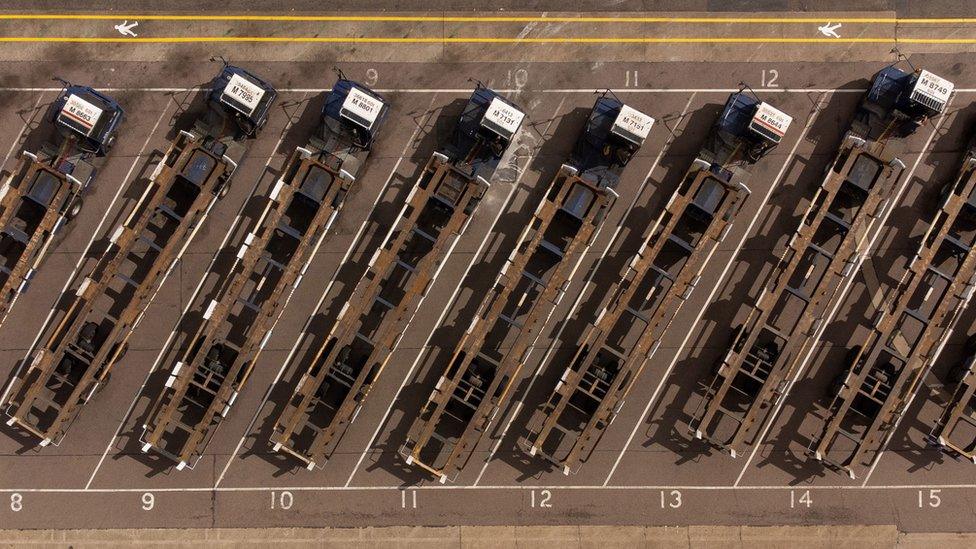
<point x="74" y="209"/>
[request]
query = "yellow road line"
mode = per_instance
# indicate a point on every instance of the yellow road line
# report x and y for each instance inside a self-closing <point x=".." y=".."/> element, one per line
<point x="454" y="40"/>
<point x="482" y="19"/>
<point x="483" y="40"/>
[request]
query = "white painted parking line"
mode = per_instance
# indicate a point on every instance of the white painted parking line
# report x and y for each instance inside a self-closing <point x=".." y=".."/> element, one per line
<point x="437" y="487"/>
<point x="328" y="287"/>
<point x="91" y="240"/>
<point x="579" y="297"/>
<point x="840" y="300"/>
<point x="169" y="338"/>
<point x="451" y="300"/>
<point x="719" y="284"/>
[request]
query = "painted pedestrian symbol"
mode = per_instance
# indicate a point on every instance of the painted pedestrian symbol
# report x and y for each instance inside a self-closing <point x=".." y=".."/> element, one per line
<point x="830" y="30"/>
<point x="125" y="28"/>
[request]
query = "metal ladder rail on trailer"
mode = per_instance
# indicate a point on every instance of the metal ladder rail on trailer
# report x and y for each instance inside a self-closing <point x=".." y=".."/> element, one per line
<point x="602" y="391"/>
<point x="613" y="350"/>
<point x="520" y="325"/>
<point x="381" y="304"/>
<point x="908" y="334"/>
<point x="223" y="387"/>
<point x="752" y="373"/>
<point x="756" y="373"/>
<point x="29" y="170"/>
<point x="954" y="432"/>
<point x="84" y="309"/>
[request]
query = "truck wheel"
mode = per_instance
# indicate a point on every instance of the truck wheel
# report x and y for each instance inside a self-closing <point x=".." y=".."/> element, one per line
<point x="74" y="209"/>
<point x="122" y="351"/>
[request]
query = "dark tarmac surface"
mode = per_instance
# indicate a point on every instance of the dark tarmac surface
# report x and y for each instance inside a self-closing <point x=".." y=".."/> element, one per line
<point x="646" y="470"/>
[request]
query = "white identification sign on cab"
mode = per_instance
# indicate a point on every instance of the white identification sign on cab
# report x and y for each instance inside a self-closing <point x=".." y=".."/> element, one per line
<point x="361" y="108"/>
<point x="80" y="114"/>
<point x="632" y="125"/>
<point x="772" y="120"/>
<point x="933" y="87"/>
<point x="503" y="118"/>
<point x="242" y="94"/>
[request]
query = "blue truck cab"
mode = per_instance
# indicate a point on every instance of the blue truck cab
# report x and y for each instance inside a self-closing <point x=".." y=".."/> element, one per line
<point x="244" y="97"/>
<point x="902" y="101"/>
<point x="354" y="113"/>
<point x="483" y="133"/>
<point x="90" y="117"/>
<point x="614" y="132"/>
<point x="748" y="124"/>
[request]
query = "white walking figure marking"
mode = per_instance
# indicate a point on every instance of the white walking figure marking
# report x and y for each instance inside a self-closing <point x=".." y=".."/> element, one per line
<point x="830" y="30"/>
<point x="125" y="28"/>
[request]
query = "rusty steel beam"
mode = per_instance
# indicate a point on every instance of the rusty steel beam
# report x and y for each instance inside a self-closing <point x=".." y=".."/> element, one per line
<point x="78" y="355"/>
<point x="824" y="250"/>
<point x="487" y="359"/>
<point x="955" y="431"/>
<point x="614" y="349"/>
<point x="885" y="371"/>
<point x="353" y="355"/>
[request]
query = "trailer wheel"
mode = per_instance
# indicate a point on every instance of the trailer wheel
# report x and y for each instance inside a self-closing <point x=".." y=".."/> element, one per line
<point x="121" y="352"/>
<point x="74" y="209"/>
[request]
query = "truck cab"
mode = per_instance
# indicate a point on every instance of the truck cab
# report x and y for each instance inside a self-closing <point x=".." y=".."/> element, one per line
<point x="486" y="128"/>
<point x="908" y="98"/>
<point x="351" y="120"/>
<point x="242" y="97"/>
<point x="614" y="132"/>
<point x="88" y="116"/>
<point x="748" y="125"/>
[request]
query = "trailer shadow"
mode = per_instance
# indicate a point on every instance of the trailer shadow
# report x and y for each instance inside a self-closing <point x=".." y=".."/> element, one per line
<point x="545" y="161"/>
<point x="532" y="390"/>
<point x="662" y="425"/>
<point x="433" y="126"/>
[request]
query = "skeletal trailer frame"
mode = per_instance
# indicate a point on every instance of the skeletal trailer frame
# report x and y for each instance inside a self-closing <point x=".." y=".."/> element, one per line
<point x="237" y="323"/>
<point x="627" y="332"/>
<point x="823" y="251"/>
<point x="909" y="332"/>
<point x="489" y="356"/>
<point x="23" y="214"/>
<point x="351" y="358"/>
<point x="111" y="300"/>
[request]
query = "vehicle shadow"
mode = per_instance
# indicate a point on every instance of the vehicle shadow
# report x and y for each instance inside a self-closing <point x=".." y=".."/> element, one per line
<point x="303" y="119"/>
<point x="548" y="146"/>
<point x="433" y="126"/>
<point x="533" y="391"/>
<point x="805" y="410"/>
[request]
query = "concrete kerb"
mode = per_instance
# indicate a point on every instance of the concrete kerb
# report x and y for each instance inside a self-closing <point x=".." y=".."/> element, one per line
<point x="835" y="537"/>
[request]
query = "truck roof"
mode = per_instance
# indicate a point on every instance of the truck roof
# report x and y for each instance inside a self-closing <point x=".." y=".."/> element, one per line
<point x="486" y="127"/>
<point x="358" y="109"/>
<point x="746" y="116"/>
<point x="241" y="93"/>
<point x="613" y="133"/>
<point x="917" y="94"/>
<point x="90" y="116"/>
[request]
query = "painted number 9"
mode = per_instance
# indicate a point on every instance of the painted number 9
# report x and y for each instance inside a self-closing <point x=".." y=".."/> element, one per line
<point x="372" y="76"/>
<point x="148" y="501"/>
